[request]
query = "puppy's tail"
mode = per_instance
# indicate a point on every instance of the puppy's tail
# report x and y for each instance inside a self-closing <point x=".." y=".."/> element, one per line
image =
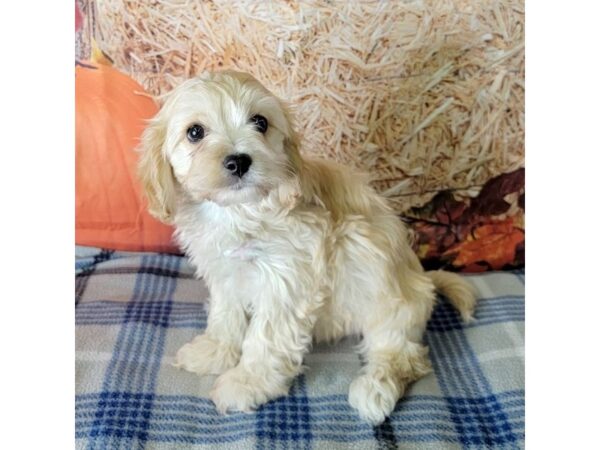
<point x="460" y="293"/>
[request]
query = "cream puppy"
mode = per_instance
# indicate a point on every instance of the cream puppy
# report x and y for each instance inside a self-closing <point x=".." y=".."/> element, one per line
<point x="293" y="250"/>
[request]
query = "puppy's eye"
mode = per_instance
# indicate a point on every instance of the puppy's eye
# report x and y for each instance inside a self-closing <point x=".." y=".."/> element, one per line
<point x="260" y="123"/>
<point x="195" y="133"/>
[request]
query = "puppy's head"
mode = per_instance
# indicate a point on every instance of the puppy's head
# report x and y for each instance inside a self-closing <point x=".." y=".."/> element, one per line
<point x="223" y="138"/>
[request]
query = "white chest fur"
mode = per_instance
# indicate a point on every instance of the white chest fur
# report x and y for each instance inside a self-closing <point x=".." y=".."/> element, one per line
<point x="222" y="240"/>
<point x="210" y="234"/>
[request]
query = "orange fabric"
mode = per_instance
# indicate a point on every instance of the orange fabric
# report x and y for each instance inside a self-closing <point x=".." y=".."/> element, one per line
<point x="110" y="210"/>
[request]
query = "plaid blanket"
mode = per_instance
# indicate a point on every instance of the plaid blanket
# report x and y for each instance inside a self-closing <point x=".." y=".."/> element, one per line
<point x="134" y="310"/>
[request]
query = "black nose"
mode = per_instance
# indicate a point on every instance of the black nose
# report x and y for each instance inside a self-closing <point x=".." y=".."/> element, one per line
<point x="238" y="164"/>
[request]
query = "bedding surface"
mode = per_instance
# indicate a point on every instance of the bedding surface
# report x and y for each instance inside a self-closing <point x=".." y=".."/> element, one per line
<point x="134" y="311"/>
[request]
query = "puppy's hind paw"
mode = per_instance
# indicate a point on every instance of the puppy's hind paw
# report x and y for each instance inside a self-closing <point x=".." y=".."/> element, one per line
<point x="374" y="398"/>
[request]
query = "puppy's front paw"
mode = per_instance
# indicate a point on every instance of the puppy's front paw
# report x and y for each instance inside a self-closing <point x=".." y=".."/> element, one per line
<point x="374" y="398"/>
<point x="205" y="355"/>
<point x="238" y="390"/>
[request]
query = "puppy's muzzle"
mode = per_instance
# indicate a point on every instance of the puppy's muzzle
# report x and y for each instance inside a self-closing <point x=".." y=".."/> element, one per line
<point x="238" y="164"/>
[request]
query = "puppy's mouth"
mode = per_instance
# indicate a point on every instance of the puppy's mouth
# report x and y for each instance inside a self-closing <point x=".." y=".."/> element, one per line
<point x="238" y="184"/>
<point x="247" y="182"/>
<point x="240" y="190"/>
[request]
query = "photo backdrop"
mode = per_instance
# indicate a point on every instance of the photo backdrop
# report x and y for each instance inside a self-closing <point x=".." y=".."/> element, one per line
<point x="427" y="97"/>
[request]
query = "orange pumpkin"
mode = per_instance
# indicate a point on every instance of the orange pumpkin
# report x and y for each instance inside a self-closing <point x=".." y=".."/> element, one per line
<point x="110" y="210"/>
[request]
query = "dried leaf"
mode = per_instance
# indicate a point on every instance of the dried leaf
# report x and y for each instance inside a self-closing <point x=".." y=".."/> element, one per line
<point x="493" y="243"/>
<point x="490" y="201"/>
<point x="522" y="201"/>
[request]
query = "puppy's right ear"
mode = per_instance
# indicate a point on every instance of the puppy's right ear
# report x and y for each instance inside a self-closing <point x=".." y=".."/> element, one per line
<point x="156" y="173"/>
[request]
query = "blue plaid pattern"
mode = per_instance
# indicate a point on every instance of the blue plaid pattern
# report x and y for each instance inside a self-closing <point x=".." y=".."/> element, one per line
<point x="85" y="266"/>
<point x="135" y="310"/>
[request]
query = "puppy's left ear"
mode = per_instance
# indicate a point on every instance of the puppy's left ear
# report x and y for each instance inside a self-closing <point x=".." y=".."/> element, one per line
<point x="290" y="192"/>
<point x="156" y="172"/>
<point x="291" y="142"/>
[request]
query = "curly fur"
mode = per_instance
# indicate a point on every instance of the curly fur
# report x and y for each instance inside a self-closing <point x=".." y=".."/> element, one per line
<point x="293" y="252"/>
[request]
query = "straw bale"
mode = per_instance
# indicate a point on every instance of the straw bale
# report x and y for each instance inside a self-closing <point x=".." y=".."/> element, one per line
<point x="422" y="95"/>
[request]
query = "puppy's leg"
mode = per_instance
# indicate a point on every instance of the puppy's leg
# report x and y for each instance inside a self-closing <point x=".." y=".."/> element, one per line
<point x="218" y="349"/>
<point x="272" y="353"/>
<point x="394" y="358"/>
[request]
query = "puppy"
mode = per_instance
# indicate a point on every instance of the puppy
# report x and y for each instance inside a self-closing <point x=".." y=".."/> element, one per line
<point x="293" y="250"/>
